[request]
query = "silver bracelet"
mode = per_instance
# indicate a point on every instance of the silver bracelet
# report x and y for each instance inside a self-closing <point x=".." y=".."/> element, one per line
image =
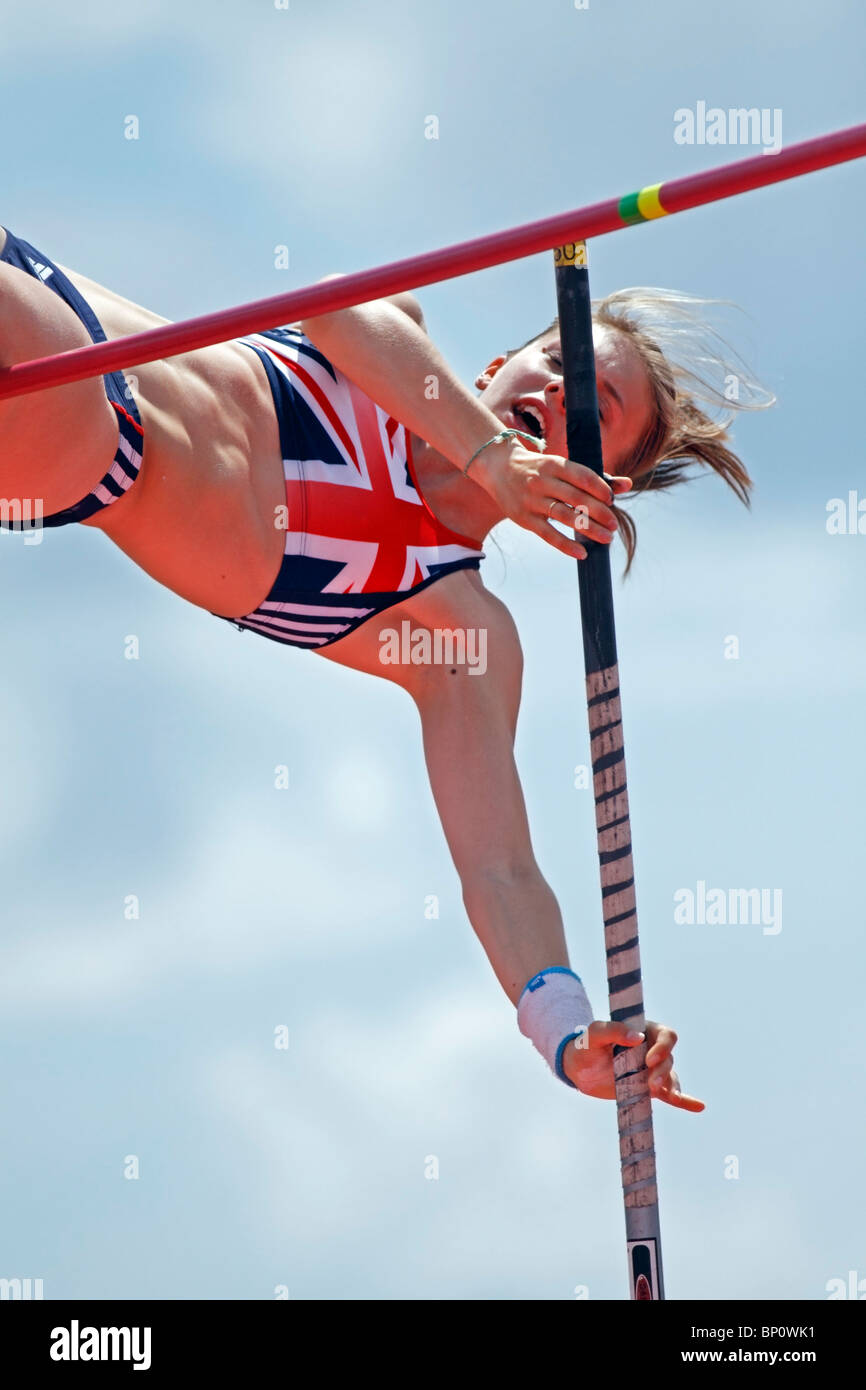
<point x="503" y="434"/>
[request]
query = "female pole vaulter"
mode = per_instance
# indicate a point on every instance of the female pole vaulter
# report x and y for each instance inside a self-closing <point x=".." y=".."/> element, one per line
<point x="322" y="483"/>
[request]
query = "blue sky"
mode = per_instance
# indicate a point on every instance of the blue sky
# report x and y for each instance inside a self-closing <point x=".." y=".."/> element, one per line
<point x="305" y="1167"/>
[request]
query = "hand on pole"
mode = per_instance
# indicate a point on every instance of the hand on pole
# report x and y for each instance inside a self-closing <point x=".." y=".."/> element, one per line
<point x="588" y="1063"/>
<point x="534" y="490"/>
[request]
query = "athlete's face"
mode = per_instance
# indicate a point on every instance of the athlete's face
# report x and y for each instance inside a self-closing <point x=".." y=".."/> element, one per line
<point x="526" y="393"/>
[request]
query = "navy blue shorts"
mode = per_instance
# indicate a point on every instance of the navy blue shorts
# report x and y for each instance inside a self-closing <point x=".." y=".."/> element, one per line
<point x="127" y="460"/>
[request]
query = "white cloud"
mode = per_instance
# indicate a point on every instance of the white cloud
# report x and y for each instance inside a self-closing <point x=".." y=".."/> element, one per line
<point x="246" y="892"/>
<point x="317" y="114"/>
<point x="340" y="1129"/>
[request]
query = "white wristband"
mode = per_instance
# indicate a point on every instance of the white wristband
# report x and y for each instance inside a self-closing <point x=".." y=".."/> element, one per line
<point x="553" y="1008"/>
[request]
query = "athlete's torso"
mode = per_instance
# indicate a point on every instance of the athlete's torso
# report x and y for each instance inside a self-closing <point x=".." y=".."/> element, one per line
<point x="200" y="517"/>
<point x="196" y="519"/>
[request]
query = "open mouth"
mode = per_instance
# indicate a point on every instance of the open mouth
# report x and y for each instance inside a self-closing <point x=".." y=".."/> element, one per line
<point x="530" y="418"/>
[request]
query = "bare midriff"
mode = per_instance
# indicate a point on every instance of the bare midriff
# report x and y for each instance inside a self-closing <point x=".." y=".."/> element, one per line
<point x="200" y="518"/>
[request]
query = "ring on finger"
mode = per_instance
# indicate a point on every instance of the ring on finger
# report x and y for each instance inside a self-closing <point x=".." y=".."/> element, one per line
<point x="553" y="503"/>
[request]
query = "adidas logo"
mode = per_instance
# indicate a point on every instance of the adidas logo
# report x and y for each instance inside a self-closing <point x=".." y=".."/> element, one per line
<point x="43" y="271"/>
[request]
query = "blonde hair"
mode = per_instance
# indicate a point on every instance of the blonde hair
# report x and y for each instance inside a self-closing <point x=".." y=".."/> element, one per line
<point x="698" y="383"/>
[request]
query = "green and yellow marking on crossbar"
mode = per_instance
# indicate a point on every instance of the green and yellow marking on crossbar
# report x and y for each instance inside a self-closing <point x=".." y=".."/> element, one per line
<point x="643" y="205"/>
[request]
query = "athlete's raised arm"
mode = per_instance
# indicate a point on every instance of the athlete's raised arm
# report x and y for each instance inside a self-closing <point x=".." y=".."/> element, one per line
<point x="383" y="348"/>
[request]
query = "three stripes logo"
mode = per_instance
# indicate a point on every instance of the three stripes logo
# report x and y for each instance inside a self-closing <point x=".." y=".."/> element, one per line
<point x="43" y="271"/>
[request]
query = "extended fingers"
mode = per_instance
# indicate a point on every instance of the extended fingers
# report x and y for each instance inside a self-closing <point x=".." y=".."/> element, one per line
<point x="661" y="1040"/>
<point x="660" y="1072"/>
<point x="670" y="1093"/>
<point x="664" y="1083"/>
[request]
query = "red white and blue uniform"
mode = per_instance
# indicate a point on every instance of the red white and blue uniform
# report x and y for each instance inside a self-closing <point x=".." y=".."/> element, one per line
<point x="359" y="534"/>
<point x="126" y="464"/>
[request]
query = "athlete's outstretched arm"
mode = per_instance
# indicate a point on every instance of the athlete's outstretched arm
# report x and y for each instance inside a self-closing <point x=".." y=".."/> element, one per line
<point x="468" y="724"/>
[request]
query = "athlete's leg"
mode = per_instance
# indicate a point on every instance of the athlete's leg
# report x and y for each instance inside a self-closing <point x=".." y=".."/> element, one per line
<point x="54" y="445"/>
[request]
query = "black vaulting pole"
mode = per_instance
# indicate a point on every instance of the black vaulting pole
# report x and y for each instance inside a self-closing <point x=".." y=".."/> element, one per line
<point x="625" y="989"/>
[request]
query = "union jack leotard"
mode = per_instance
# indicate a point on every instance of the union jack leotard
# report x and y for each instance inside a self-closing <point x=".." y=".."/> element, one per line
<point x="359" y="535"/>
